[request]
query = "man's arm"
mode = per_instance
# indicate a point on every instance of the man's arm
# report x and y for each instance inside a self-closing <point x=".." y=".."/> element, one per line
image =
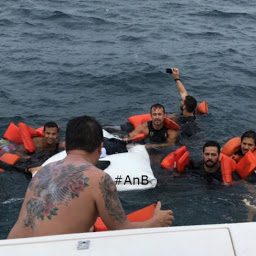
<point x="142" y="128"/>
<point x="110" y="209"/>
<point x="181" y="88"/>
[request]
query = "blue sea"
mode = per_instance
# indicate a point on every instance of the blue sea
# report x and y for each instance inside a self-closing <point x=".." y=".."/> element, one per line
<point x="61" y="59"/>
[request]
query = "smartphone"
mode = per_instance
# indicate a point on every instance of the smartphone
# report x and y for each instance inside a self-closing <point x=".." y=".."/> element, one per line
<point x="169" y="70"/>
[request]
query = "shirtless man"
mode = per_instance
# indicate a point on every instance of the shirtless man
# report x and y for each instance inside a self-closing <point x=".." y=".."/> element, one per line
<point x="67" y="196"/>
<point x="50" y="141"/>
<point x="45" y="147"/>
<point x="158" y="135"/>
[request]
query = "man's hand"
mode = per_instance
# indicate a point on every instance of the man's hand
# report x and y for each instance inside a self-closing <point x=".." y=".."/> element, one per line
<point x="162" y="218"/>
<point x="126" y="139"/>
<point x="175" y="73"/>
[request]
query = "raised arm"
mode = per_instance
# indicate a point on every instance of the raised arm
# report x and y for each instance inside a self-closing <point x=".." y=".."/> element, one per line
<point x="181" y="88"/>
<point x="110" y="209"/>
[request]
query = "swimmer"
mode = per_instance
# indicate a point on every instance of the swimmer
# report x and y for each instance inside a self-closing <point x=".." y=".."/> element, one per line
<point x="158" y="135"/>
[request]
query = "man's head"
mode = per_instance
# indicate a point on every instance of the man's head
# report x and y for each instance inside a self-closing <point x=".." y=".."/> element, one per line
<point x="248" y="141"/>
<point x="157" y="112"/>
<point x="84" y="133"/>
<point x="51" y="132"/>
<point x="189" y="104"/>
<point x="211" y="153"/>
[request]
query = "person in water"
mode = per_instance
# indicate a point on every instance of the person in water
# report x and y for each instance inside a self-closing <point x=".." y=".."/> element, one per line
<point x="248" y="143"/>
<point x="50" y="141"/>
<point x="210" y="167"/>
<point x="68" y="195"/>
<point x="46" y="147"/>
<point x="186" y="119"/>
<point x="155" y="131"/>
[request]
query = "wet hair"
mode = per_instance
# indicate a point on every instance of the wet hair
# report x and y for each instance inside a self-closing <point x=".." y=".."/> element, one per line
<point x="190" y="103"/>
<point x="211" y="143"/>
<point x="83" y="133"/>
<point x="157" y="105"/>
<point x="51" y="125"/>
<point x="249" y="134"/>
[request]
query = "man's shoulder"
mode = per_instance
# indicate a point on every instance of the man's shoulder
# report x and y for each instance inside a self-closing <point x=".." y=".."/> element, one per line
<point x="38" y="141"/>
<point x="144" y="127"/>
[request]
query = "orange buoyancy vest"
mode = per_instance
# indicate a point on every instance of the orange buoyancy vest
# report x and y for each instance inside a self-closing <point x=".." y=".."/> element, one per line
<point x="246" y="165"/>
<point x="178" y="159"/>
<point x="139" y="215"/>
<point x="136" y="120"/>
<point x="202" y="108"/>
<point x="231" y="146"/>
<point x="10" y="158"/>
<point x="12" y="134"/>
<point x="228" y="165"/>
<point x="26" y="137"/>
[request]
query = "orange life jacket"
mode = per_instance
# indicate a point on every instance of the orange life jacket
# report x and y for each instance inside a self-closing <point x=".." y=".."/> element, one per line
<point x="178" y="159"/>
<point x="246" y="165"/>
<point x="228" y="165"/>
<point x="231" y="146"/>
<point x="136" y="120"/>
<point x="12" y="134"/>
<point x="25" y="133"/>
<point x="139" y="215"/>
<point x="10" y="158"/>
<point x="183" y="162"/>
<point x="202" y="108"/>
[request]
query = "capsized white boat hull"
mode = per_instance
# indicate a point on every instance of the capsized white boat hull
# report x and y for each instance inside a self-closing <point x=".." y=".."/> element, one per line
<point x="130" y="170"/>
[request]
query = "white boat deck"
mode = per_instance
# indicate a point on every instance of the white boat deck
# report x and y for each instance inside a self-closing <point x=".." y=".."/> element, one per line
<point x="221" y="240"/>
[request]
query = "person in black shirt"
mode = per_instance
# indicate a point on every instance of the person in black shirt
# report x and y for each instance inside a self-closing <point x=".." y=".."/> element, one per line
<point x="158" y="135"/>
<point x="186" y="119"/>
<point x="210" y="167"/>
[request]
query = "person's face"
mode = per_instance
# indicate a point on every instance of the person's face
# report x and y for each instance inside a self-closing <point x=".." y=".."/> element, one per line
<point x="51" y="135"/>
<point x="247" y="144"/>
<point x="210" y="156"/>
<point x="157" y="115"/>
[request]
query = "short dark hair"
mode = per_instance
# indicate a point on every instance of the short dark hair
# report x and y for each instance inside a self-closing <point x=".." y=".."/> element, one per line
<point x="249" y="134"/>
<point x="157" y="105"/>
<point x="211" y="143"/>
<point x="190" y="103"/>
<point x="83" y="133"/>
<point x="51" y="125"/>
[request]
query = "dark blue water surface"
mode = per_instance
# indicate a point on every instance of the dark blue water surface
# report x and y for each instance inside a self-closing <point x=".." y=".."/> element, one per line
<point x="60" y="59"/>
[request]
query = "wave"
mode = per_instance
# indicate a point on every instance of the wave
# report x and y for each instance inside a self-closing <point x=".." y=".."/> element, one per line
<point x="6" y="22"/>
<point x="12" y="200"/>
<point x="204" y="34"/>
<point x="223" y="14"/>
<point x="130" y="38"/>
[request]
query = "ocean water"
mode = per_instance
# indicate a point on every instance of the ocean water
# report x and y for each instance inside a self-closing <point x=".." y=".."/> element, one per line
<point x="61" y="59"/>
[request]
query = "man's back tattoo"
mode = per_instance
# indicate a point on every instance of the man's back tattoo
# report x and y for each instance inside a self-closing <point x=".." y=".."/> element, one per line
<point x="53" y="186"/>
